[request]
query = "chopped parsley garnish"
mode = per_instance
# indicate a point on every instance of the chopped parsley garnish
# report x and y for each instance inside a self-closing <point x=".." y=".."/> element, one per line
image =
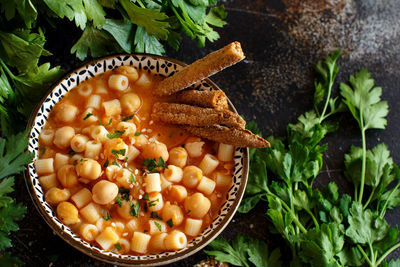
<point x="116" y="134"/>
<point x="132" y="178"/>
<point x="135" y="209"/>
<point x="146" y="197"/>
<point x="75" y="163"/>
<point x="170" y="223"/>
<point x="108" y="124"/>
<point x="106" y="218"/>
<point x="118" y="246"/>
<point x="42" y="151"/>
<point x="155" y="215"/>
<point x="153" y="203"/>
<point x="138" y="133"/>
<point x="87" y="116"/>
<point x="115" y="163"/>
<point x="118" y="152"/>
<point x="145" y="231"/>
<point x="71" y="153"/>
<point x="128" y="118"/>
<point x="145" y="207"/>
<point x="152" y="165"/>
<point x="158" y="226"/>
<point x="126" y="159"/>
<point x="119" y="201"/>
<point x="124" y="192"/>
<point x="106" y="163"/>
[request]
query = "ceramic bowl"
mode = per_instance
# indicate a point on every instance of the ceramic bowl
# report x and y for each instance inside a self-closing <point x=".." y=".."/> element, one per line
<point x="155" y="65"/>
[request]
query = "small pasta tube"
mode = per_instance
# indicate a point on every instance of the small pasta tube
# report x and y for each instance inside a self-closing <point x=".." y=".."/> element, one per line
<point x="208" y="164"/>
<point x="88" y="231"/>
<point x="46" y="136"/>
<point x="88" y="168"/>
<point x="48" y="181"/>
<point x="56" y="195"/>
<point x="193" y="226"/>
<point x="112" y="107"/>
<point x="128" y="128"/>
<point x="75" y="159"/>
<point x="140" y="140"/>
<point x="107" y="239"/>
<point x="197" y="205"/>
<point x="60" y="160"/>
<point x="82" y="198"/>
<point x="173" y="174"/>
<point x="153" y="182"/>
<point x="175" y="240"/>
<point x="118" y="82"/>
<point x="133" y="153"/>
<point x="91" y="212"/>
<point x="130" y="103"/>
<point x="178" y="193"/>
<point x="67" y="176"/>
<point x="140" y="242"/>
<point x="94" y="101"/>
<point x="172" y="212"/>
<point x="130" y="72"/>
<point x="78" y="142"/>
<point x="143" y="80"/>
<point x="93" y="149"/>
<point x="178" y="156"/>
<point x="118" y="226"/>
<point x="156" y="226"/>
<point x="223" y="180"/>
<point x="132" y="225"/>
<point x="101" y="224"/>
<point x="194" y="149"/>
<point x="99" y="133"/>
<point x="225" y="152"/>
<point x="85" y="89"/>
<point x="155" y="150"/>
<point x="101" y="87"/>
<point x="123" y="177"/>
<point x="68" y="213"/>
<point x="63" y="137"/>
<point x="66" y="113"/>
<point x="88" y="116"/>
<point x="165" y="184"/>
<point x="155" y="202"/>
<point x="206" y="185"/>
<point x="104" y="192"/>
<point x="157" y="241"/>
<point x="44" y="166"/>
<point x="125" y="246"/>
<point x="111" y="172"/>
<point x="192" y="176"/>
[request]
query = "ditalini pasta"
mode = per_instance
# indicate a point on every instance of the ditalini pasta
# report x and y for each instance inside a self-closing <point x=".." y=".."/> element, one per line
<point x="121" y="181"/>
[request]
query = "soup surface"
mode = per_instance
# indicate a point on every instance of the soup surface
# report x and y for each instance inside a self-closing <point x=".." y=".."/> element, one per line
<point x="122" y="181"/>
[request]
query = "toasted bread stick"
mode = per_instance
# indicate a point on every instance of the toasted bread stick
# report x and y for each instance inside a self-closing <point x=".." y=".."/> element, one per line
<point x="201" y="69"/>
<point x="207" y="98"/>
<point x="195" y="116"/>
<point x="231" y="136"/>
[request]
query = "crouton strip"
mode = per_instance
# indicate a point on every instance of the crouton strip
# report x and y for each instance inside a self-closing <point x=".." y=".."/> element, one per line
<point x="207" y="98"/>
<point x="195" y="116"/>
<point x="201" y="69"/>
<point x="231" y="136"/>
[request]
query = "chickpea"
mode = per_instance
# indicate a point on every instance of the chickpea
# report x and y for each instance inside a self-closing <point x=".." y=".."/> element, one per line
<point x="197" y="205"/>
<point x="103" y="192"/>
<point x="63" y="137"/>
<point x="191" y="176"/>
<point x="68" y="213"/>
<point x="130" y="103"/>
<point x="155" y="150"/>
<point x="173" y="212"/>
<point x="67" y="176"/>
<point x="56" y="195"/>
<point x="140" y="140"/>
<point x="66" y="113"/>
<point x="124" y="210"/>
<point x="129" y="72"/>
<point x="88" y="168"/>
<point x="178" y="156"/>
<point x="178" y="192"/>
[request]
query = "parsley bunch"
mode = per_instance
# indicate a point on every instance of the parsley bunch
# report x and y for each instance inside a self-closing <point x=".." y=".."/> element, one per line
<point x="321" y="226"/>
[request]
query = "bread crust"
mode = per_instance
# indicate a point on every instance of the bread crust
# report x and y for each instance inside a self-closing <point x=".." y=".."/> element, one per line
<point x="206" y="98"/>
<point x="201" y="69"/>
<point x="196" y="116"/>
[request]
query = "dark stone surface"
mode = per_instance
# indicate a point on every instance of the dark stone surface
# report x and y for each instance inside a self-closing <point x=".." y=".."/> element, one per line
<point x="282" y="39"/>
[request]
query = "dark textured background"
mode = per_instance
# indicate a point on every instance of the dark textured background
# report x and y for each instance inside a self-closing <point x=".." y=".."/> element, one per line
<point x="282" y="39"/>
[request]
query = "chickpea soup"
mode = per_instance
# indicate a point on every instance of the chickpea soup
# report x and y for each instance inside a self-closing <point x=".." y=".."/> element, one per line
<point x="122" y="181"/>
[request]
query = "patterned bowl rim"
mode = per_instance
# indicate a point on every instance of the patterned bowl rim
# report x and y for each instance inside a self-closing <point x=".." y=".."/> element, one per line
<point x="114" y="258"/>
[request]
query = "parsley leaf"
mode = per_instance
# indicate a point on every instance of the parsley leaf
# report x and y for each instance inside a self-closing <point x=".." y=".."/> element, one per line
<point x="116" y="134"/>
<point x="146" y="43"/>
<point x="117" y="246"/>
<point x="158" y="225"/>
<point x="152" y="165"/>
<point x="124" y="192"/>
<point x="87" y="115"/>
<point x="170" y="223"/>
<point x="135" y="209"/>
<point x="155" y="215"/>
<point x="128" y="118"/>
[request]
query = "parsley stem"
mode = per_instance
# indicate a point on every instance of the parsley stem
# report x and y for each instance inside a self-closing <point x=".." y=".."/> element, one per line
<point x="370" y="198"/>
<point x="364" y="255"/>
<point x="387" y="201"/>
<point x="364" y="159"/>
<point x="313" y="218"/>
<point x="322" y="117"/>
<point x="390" y="250"/>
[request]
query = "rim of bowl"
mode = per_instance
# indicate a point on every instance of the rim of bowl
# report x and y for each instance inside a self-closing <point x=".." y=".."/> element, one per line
<point x="127" y="262"/>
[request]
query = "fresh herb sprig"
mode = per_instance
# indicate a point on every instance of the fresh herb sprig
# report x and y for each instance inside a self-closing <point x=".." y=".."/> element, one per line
<point x="152" y="164"/>
<point x="321" y="227"/>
